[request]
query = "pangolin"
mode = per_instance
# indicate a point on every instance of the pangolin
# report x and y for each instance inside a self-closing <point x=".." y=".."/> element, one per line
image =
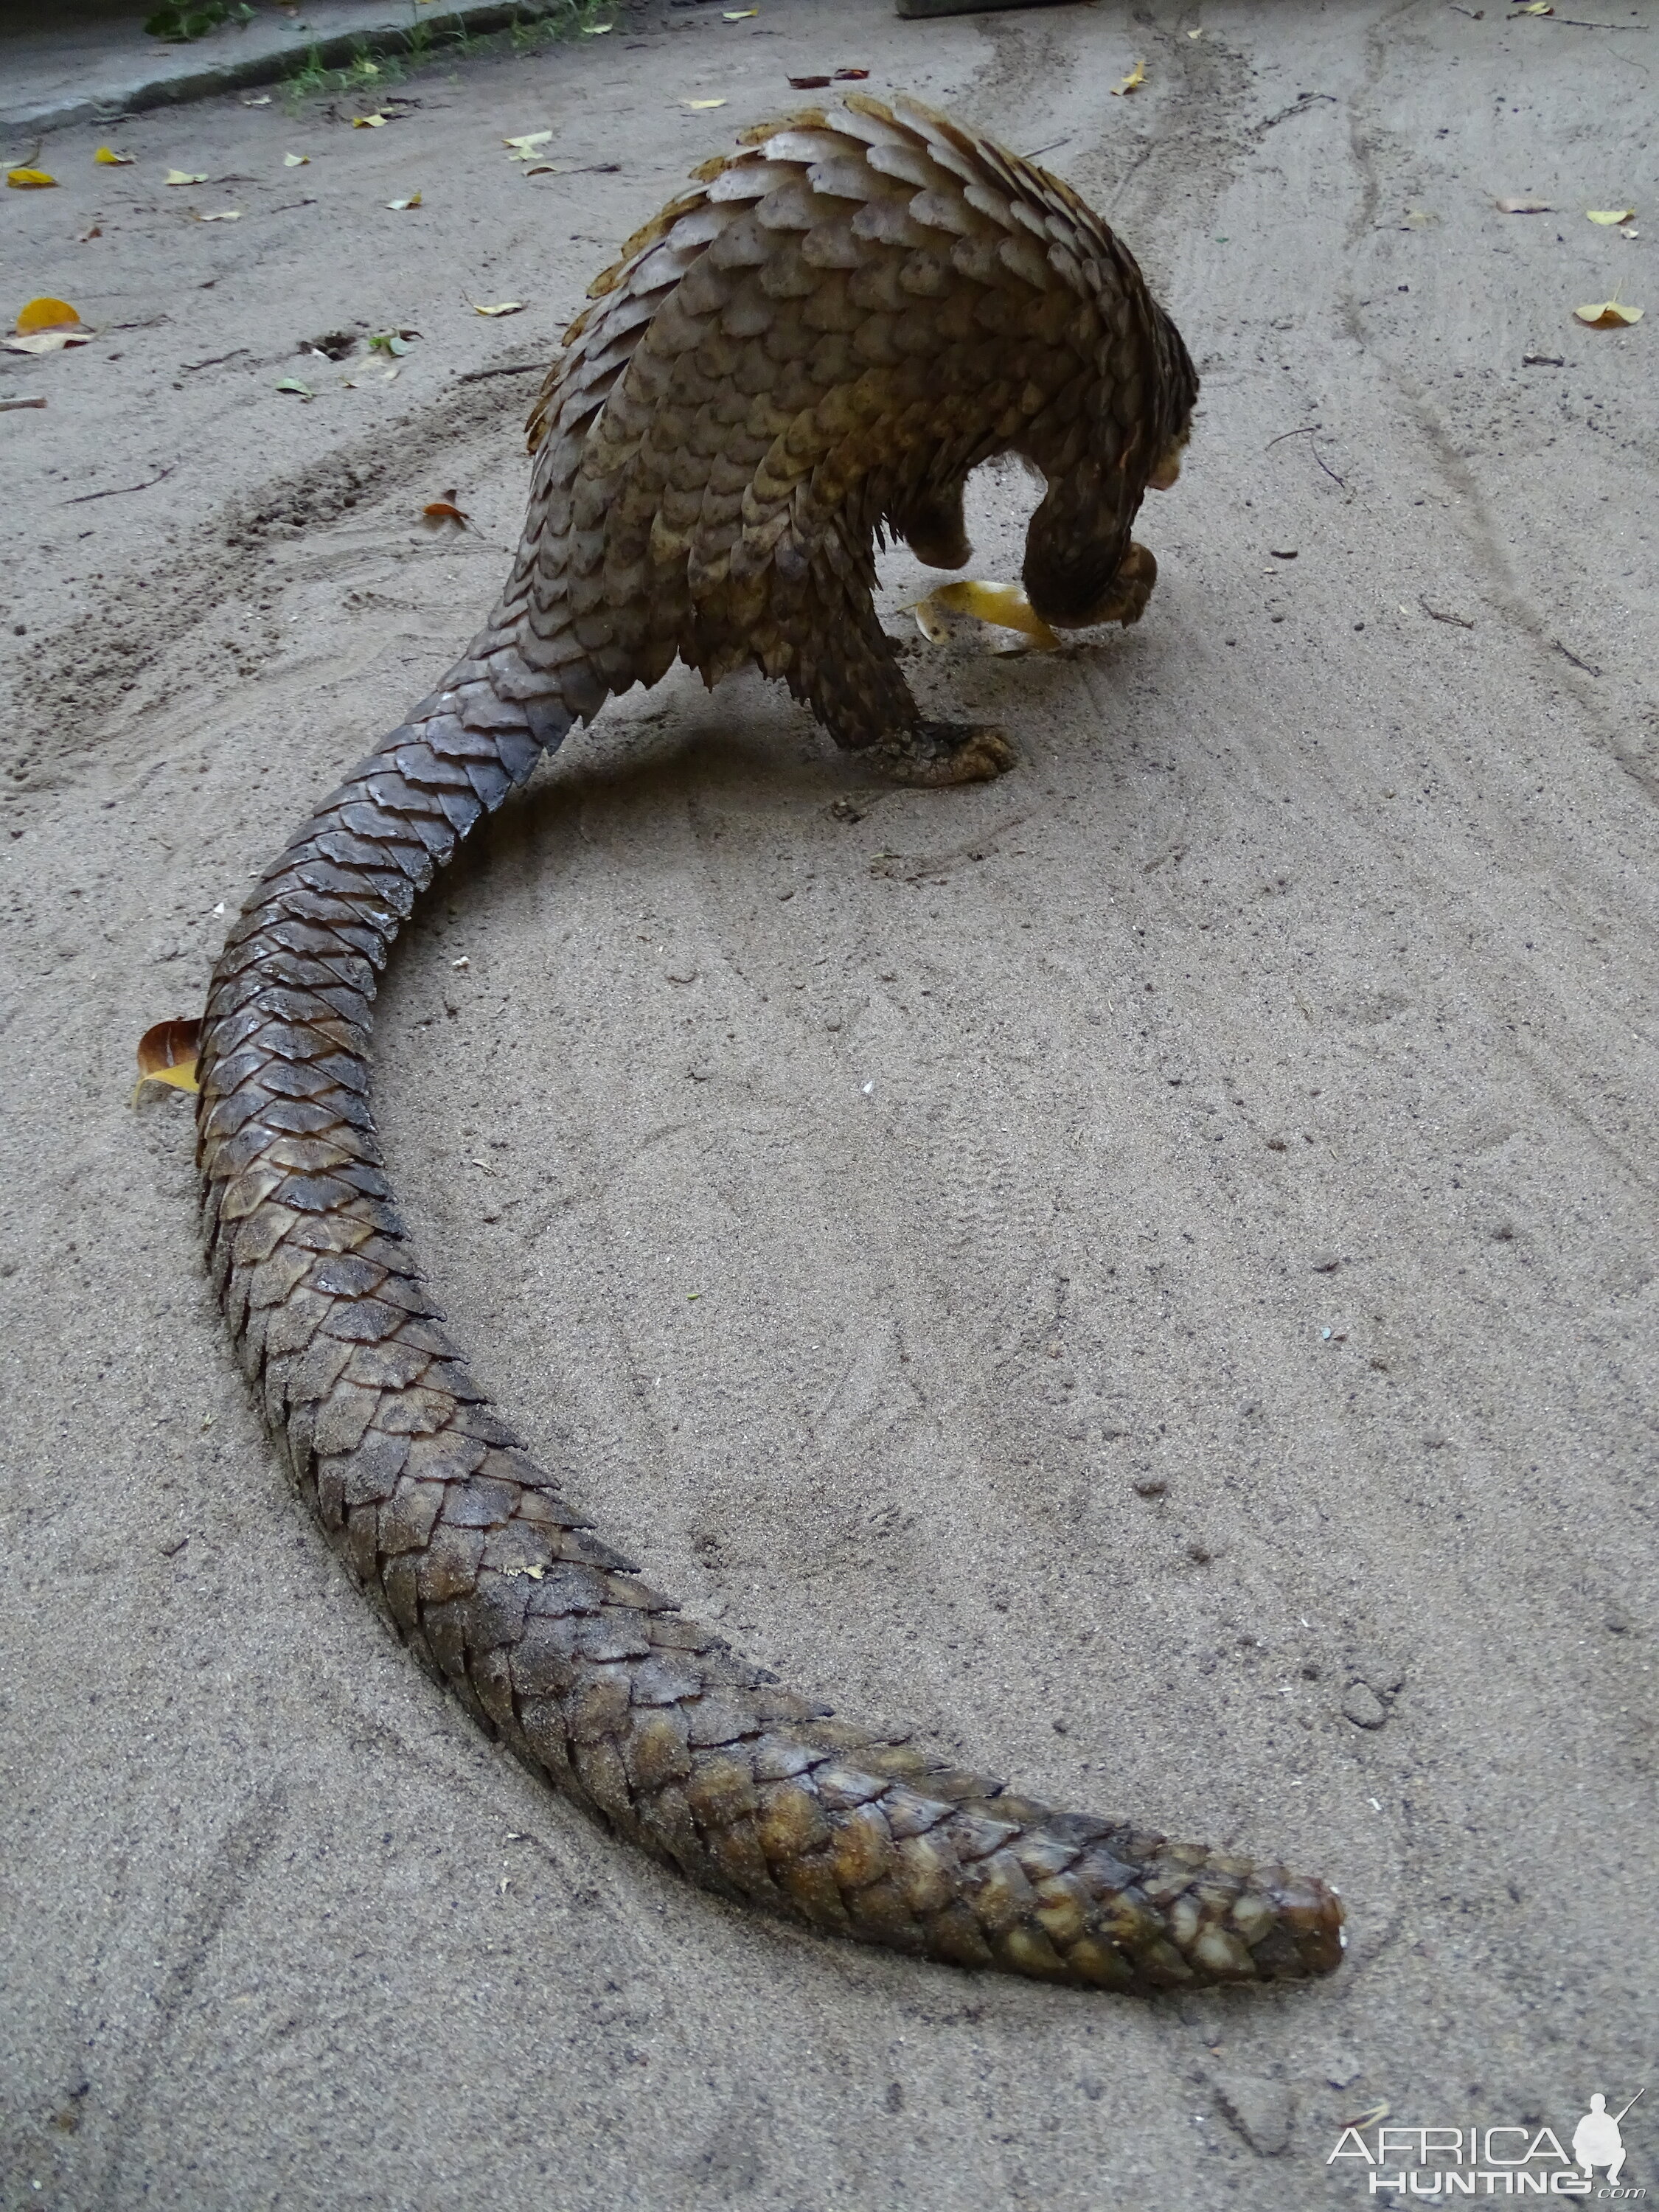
<point x="817" y="345"/>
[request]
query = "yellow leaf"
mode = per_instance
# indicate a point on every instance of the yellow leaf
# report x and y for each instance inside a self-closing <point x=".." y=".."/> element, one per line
<point x="414" y="200"/>
<point x="295" y="161"/>
<point x="367" y="122"/>
<point x="703" y="103"/>
<point x="739" y="15"/>
<point x="1608" y="315"/>
<point x="185" y="176"/>
<point x="1609" y="217"/>
<point x="108" y="158"/>
<point x="524" y="148"/>
<point x="549" y="169"/>
<point x="46" y="314"/>
<point x="1135" y="79"/>
<point x="1005" y="605"/>
<point x="26" y="180"/>
<point x="167" y="1054"/>
<point x="506" y="308"/>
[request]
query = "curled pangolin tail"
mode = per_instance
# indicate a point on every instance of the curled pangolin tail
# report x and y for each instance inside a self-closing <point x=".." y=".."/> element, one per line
<point x="594" y="1679"/>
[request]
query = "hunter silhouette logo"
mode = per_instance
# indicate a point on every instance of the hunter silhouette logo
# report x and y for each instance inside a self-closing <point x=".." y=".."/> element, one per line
<point x="1449" y="2163"/>
<point x="1596" y="2139"/>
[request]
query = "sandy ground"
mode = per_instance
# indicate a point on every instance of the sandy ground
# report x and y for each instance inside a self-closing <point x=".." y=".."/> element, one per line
<point x="1173" y="1234"/>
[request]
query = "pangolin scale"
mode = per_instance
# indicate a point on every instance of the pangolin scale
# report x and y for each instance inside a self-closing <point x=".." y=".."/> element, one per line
<point x="817" y="343"/>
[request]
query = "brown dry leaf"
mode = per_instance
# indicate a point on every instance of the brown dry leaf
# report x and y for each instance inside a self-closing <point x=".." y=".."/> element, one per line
<point x="1609" y="218"/>
<point x="13" y="406"/>
<point x="444" y="510"/>
<point x="185" y="176"/>
<point x="1608" y="315"/>
<point x="86" y="237"/>
<point x="849" y="76"/>
<point x="108" y="158"/>
<point x="167" y="1054"/>
<point x="811" y="84"/>
<point x="28" y="180"/>
<point x="1134" y="81"/>
<point x="1523" y="207"/>
<point x="398" y="206"/>
<point x="549" y="169"/>
<point x="503" y="307"/>
<point x="1004" y="604"/>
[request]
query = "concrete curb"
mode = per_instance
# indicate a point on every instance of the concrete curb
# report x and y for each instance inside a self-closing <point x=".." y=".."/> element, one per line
<point x="127" y="94"/>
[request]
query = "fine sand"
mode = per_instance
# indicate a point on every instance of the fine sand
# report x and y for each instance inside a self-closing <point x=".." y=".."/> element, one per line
<point x="1144" y="1270"/>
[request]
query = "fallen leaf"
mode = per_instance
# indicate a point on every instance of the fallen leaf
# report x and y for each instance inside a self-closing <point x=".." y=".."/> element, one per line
<point x="167" y="1054"/>
<point x="1609" y="218"/>
<point x="1535" y="8"/>
<point x="391" y="342"/>
<point x="47" y="314"/>
<point x="1004" y="604"/>
<point x="295" y="161"/>
<point x="398" y="206"/>
<point x="108" y="158"/>
<point x="505" y="307"/>
<point x="86" y="237"/>
<point x="28" y="180"/>
<point x="525" y="147"/>
<point x="367" y="122"/>
<point x="1134" y="81"/>
<point x="1523" y="207"/>
<point x="1608" y="315"/>
<point x="703" y="103"/>
<point x="444" y="510"/>
<point x="811" y="84"/>
<point x="224" y="214"/>
<point x="845" y="76"/>
<point x="11" y="406"/>
<point x="1419" y="219"/>
<point x="259" y="100"/>
<point x="38" y="342"/>
<point x="549" y="169"/>
<point x="1194" y="35"/>
<point x="293" y="384"/>
<point x="739" y="15"/>
<point x="185" y="176"/>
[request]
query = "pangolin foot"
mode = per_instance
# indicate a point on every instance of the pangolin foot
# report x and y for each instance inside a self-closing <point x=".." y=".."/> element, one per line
<point x="944" y="752"/>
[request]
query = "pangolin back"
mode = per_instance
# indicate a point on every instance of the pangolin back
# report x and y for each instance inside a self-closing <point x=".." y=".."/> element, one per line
<point x="821" y="340"/>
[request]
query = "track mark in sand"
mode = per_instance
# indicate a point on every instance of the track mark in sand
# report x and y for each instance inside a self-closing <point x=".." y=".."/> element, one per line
<point x="218" y="1891"/>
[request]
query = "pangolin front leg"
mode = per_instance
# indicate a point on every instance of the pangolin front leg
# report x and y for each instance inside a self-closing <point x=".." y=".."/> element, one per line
<point x="843" y="318"/>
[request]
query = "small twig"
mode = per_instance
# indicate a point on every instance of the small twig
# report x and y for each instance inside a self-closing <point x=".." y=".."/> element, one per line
<point x="1341" y="482"/>
<point x="1573" y="657"/>
<point x="1049" y="148"/>
<point x="1305" y="433"/>
<point x="522" y="368"/>
<point x="1436" y="614"/>
<point x="214" y="360"/>
<point x="1579" y="24"/>
<point x="116" y="490"/>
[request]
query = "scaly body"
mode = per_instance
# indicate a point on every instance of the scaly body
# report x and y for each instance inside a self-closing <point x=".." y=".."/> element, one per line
<point x="821" y="341"/>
